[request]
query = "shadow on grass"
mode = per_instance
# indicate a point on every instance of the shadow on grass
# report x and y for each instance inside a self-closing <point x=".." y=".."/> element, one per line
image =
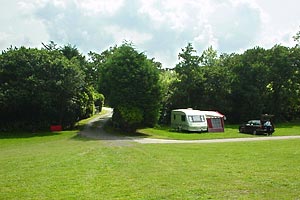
<point x="79" y="137"/>
<point x="109" y="129"/>
<point x="15" y="135"/>
<point x="103" y="130"/>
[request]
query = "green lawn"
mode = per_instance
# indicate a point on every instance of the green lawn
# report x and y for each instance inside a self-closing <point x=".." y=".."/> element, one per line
<point x="231" y="131"/>
<point x="65" y="166"/>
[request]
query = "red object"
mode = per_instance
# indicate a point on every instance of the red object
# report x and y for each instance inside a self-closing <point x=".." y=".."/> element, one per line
<point x="215" y="121"/>
<point x="56" y="128"/>
<point x="215" y="124"/>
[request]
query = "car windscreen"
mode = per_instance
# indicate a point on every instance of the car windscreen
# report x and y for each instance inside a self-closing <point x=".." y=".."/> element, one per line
<point x="196" y="118"/>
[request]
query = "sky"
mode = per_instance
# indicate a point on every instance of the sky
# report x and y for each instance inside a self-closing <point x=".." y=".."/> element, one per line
<point x="159" y="28"/>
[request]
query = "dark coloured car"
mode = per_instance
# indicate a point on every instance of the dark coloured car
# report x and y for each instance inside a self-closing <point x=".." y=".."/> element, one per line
<point x="257" y="127"/>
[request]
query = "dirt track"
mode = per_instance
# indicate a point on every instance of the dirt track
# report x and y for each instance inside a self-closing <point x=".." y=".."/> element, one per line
<point x="94" y="130"/>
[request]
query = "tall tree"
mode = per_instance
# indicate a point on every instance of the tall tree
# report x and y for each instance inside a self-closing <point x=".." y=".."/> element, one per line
<point x="216" y="82"/>
<point x="95" y="67"/>
<point x="188" y="89"/>
<point x="284" y="81"/>
<point x="248" y="94"/>
<point x="133" y="88"/>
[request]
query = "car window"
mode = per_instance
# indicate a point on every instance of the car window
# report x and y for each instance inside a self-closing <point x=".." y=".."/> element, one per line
<point x="254" y="122"/>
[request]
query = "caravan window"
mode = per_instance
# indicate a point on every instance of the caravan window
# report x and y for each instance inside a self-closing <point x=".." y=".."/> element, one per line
<point x="183" y="118"/>
<point x="196" y="118"/>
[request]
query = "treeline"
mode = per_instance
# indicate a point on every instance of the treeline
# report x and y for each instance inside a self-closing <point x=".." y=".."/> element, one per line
<point x="58" y="85"/>
<point x="241" y="86"/>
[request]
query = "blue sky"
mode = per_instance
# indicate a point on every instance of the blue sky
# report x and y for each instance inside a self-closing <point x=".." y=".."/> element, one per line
<point x="160" y="28"/>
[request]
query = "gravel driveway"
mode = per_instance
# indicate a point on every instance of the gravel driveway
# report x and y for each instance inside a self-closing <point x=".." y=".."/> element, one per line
<point x="94" y="130"/>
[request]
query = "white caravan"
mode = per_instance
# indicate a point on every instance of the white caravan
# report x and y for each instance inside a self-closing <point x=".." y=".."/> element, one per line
<point x="188" y="120"/>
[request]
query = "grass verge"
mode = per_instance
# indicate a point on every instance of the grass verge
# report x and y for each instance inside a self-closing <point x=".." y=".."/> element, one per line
<point x="231" y="131"/>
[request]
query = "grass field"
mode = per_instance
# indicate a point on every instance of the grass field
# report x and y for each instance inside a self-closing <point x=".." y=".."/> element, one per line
<point x="231" y="131"/>
<point x="65" y="166"/>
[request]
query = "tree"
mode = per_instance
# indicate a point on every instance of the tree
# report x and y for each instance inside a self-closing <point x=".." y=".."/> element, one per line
<point x="297" y="39"/>
<point x="41" y="87"/>
<point x="284" y="81"/>
<point x="295" y="78"/>
<point x="51" y="46"/>
<point x="187" y="60"/>
<point x="216" y="82"/>
<point x="168" y="79"/>
<point x="217" y="89"/>
<point x="188" y="88"/>
<point x="248" y="87"/>
<point x="132" y="88"/>
<point x="264" y="81"/>
<point x="209" y="57"/>
<point x="242" y="86"/>
<point x="94" y="68"/>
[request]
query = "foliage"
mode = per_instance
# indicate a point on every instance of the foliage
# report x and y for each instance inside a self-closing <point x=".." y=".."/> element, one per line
<point x="41" y="87"/>
<point x="98" y="100"/>
<point x="130" y="83"/>
<point x="241" y="86"/>
<point x="58" y="85"/>
<point x="168" y="79"/>
<point x="297" y="39"/>
<point x="128" y="118"/>
<point x="202" y="82"/>
<point x="188" y="89"/>
<point x="209" y="57"/>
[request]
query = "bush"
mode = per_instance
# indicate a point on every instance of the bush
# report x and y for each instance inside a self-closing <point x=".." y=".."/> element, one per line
<point x="41" y="87"/>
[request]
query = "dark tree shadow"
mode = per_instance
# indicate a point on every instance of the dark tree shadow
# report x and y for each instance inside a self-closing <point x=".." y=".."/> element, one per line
<point x="14" y="135"/>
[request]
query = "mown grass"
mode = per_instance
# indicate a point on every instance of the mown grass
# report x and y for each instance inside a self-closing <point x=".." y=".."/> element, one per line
<point x="290" y="128"/>
<point x="63" y="165"/>
<point x="231" y="131"/>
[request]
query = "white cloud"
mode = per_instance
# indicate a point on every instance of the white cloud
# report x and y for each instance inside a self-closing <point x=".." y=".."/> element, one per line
<point x="19" y="27"/>
<point x="120" y="34"/>
<point x="94" y="7"/>
<point x="206" y="38"/>
<point x="285" y="38"/>
<point x="158" y="27"/>
<point x="281" y="21"/>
